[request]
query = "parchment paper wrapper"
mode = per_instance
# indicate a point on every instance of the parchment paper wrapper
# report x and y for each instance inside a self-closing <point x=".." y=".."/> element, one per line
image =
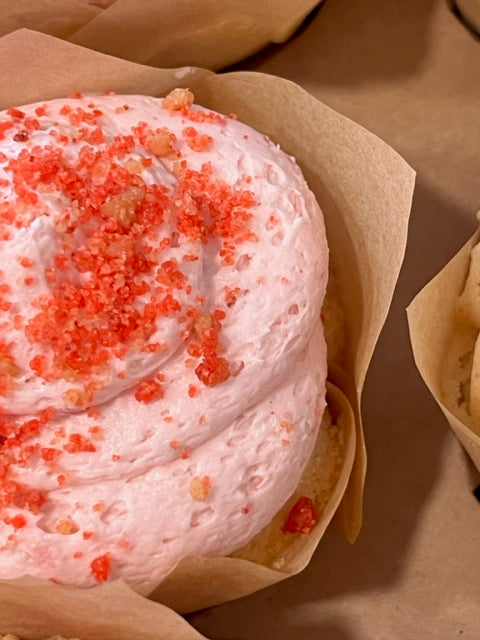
<point x="365" y="190"/>
<point x="165" y="33"/>
<point x="470" y="10"/>
<point x="442" y="344"/>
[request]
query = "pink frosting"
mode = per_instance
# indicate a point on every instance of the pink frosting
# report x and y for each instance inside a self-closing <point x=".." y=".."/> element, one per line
<point x="139" y="461"/>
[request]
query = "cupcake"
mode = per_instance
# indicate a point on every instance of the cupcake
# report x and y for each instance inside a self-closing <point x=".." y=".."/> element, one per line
<point x="162" y="356"/>
<point x="447" y="351"/>
<point x="364" y="189"/>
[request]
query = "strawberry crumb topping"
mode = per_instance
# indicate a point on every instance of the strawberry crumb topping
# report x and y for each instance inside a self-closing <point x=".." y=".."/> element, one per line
<point x="109" y="286"/>
<point x="108" y="279"/>
<point x="302" y="517"/>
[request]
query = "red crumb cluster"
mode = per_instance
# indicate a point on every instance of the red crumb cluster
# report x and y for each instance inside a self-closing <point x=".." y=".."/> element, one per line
<point x="92" y="314"/>
<point x="302" y="517"/>
<point x="197" y="141"/>
<point x="18" y="449"/>
<point x="210" y="208"/>
<point x="148" y="391"/>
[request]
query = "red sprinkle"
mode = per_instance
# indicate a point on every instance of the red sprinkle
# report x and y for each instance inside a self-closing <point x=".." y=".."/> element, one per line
<point x="49" y="454"/>
<point x="101" y="567"/>
<point x="25" y="261"/>
<point x="19" y="521"/>
<point x="302" y="517"/>
<point x="16" y="113"/>
<point x="213" y="371"/>
<point x="78" y="443"/>
<point x="148" y="391"/>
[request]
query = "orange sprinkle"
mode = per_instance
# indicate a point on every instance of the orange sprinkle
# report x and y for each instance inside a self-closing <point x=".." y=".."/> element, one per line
<point x="287" y="425"/>
<point x="200" y="487"/>
<point x="178" y="99"/>
<point x="66" y="527"/>
<point x="96" y="432"/>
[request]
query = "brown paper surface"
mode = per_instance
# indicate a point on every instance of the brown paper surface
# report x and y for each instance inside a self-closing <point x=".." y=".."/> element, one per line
<point x="164" y="33"/>
<point x="364" y="189"/>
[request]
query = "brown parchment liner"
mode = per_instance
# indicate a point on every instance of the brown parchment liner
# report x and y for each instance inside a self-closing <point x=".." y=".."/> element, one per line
<point x="439" y="339"/>
<point x="365" y="190"/>
<point x="164" y="33"/>
<point x="470" y="10"/>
